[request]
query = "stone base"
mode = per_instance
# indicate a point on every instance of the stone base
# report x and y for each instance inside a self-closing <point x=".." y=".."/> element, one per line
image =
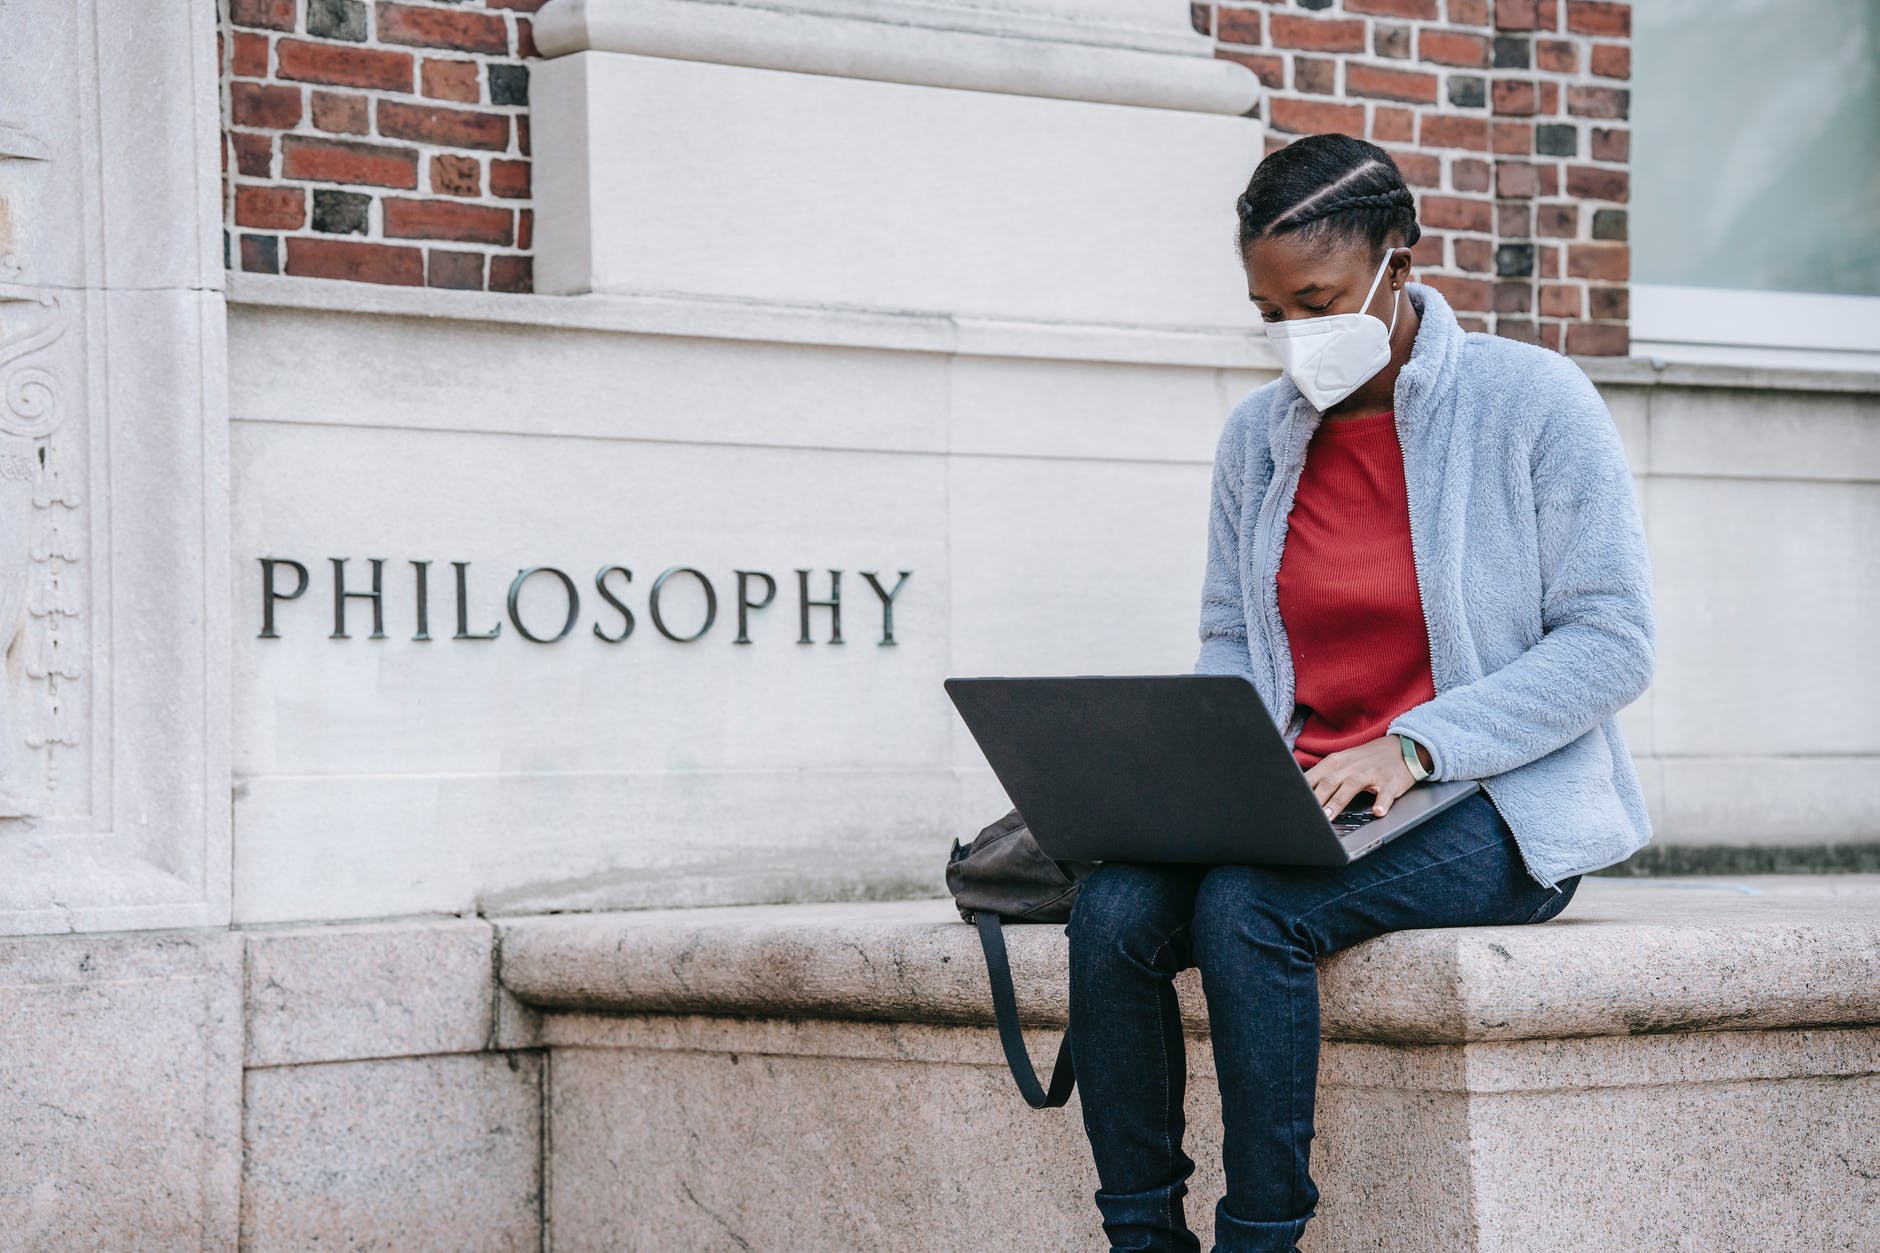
<point x="1689" y="1065"/>
<point x="705" y="1133"/>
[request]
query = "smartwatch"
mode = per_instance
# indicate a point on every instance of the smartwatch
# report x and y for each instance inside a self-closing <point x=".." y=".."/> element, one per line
<point x="1418" y="770"/>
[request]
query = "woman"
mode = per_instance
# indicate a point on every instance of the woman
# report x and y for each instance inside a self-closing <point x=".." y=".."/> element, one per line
<point x="1424" y="549"/>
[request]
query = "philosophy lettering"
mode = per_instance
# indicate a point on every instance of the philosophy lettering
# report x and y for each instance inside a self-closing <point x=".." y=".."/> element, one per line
<point x="614" y="620"/>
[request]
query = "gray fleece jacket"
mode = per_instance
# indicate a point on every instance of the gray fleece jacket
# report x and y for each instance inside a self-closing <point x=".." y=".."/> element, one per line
<point x="1531" y="562"/>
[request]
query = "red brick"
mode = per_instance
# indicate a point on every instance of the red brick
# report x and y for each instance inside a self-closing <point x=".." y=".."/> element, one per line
<point x="271" y="208"/>
<point x="453" y="175"/>
<point x="1547" y="261"/>
<point x="1316" y="34"/>
<point x="1561" y="300"/>
<point x="460" y="270"/>
<point x="1469" y="322"/>
<point x="447" y="128"/>
<point x="1515" y="15"/>
<point x="1201" y="17"/>
<point x="1514" y="295"/>
<point x="450" y="80"/>
<point x="1557" y="56"/>
<point x="1421" y="10"/>
<point x="1515" y="180"/>
<point x="265" y="106"/>
<point x="1547" y="14"/>
<point x="1547" y="179"/>
<point x="1427" y="252"/>
<point x="341" y="113"/>
<point x="1475" y="255"/>
<point x="1447" y="47"/>
<point x="1611" y="145"/>
<point x="515" y="274"/>
<point x="509" y="179"/>
<point x="1469" y="174"/>
<point x="1511" y="138"/>
<point x="525" y="229"/>
<point x="1317" y="75"/>
<point x="1452" y="130"/>
<point x="272" y="14"/>
<point x="464" y="30"/>
<point x="1608" y="302"/>
<point x="1522" y="329"/>
<point x="1591" y="182"/>
<point x="1371" y="80"/>
<point x="1514" y="219"/>
<point x="254" y="154"/>
<point x="1595" y="17"/>
<point x="1308" y="117"/>
<point x="1462" y="293"/>
<point x="522" y="133"/>
<point x="1457" y="213"/>
<point x="1612" y="60"/>
<point x="1550" y="97"/>
<point x="1239" y="26"/>
<point x="1557" y="221"/>
<point x="1512" y="95"/>
<point x="1598" y="101"/>
<point x="312" y="257"/>
<point x="1272" y="142"/>
<point x="1599" y="339"/>
<point x="1393" y="126"/>
<point x="343" y="65"/>
<point x="1419" y="169"/>
<point x="340" y="161"/>
<point x="447" y="219"/>
<point x="525" y="38"/>
<point x="250" y="56"/>
<point x="1270" y="70"/>
<point x="1468" y="12"/>
<point x="261" y="254"/>
<point x="1609" y="262"/>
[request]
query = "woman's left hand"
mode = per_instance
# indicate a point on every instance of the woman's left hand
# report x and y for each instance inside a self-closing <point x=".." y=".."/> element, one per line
<point x="1374" y="767"/>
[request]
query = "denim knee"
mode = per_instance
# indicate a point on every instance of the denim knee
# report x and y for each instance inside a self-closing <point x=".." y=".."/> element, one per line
<point x="1132" y="913"/>
<point x="1237" y="906"/>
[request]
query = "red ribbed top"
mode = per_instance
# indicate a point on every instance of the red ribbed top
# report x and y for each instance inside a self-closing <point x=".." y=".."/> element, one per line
<point x="1348" y="589"/>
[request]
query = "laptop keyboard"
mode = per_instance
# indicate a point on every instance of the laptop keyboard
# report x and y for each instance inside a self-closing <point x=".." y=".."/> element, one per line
<point x="1351" y="820"/>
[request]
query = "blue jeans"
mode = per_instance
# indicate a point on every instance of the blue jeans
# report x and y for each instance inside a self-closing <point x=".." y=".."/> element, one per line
<point x="1254" y="931"/>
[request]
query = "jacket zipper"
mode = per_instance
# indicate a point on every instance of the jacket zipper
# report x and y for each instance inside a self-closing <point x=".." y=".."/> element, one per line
<point x="1416" y="569"/>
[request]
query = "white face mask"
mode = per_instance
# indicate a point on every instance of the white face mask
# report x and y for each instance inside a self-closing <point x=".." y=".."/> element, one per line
<point x="1330" y="357"/>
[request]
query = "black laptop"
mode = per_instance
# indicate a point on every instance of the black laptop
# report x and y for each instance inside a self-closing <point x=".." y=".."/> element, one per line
<point x="1168" y="767"/>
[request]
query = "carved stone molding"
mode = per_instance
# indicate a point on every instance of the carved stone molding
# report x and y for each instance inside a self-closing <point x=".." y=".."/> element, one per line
<point x="113" y="470"/>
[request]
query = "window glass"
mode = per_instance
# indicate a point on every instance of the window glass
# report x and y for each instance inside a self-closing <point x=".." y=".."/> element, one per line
<point x="1756" y="144"/>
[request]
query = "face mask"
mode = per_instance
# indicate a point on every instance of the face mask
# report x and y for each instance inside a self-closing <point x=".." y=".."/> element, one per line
<point x="1330" y="357"/>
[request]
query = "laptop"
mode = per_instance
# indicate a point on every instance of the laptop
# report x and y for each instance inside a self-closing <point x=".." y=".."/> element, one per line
<point x="1168" y="767"/>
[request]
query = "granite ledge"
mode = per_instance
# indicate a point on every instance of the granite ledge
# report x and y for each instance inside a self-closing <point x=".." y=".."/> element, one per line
<point x="1627" y="957"/>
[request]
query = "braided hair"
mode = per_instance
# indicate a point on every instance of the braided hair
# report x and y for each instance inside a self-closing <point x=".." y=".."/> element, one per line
<point x="1326" y="189"/>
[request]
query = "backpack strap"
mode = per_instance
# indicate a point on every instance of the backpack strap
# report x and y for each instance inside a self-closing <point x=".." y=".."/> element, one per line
<point x="1011" y="1038"/>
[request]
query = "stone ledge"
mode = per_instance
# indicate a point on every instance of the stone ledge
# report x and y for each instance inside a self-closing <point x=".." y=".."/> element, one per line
<point x="1627" y="957"/>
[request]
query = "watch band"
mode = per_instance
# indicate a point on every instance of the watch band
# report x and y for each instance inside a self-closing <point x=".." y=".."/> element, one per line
<point x="1418" y="770"/>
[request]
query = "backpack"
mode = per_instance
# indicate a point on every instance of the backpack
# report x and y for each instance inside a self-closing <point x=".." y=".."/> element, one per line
<point x="1003" y="876"/>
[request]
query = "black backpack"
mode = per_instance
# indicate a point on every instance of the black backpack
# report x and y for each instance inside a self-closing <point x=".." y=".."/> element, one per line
<point x="1003" y="876"/>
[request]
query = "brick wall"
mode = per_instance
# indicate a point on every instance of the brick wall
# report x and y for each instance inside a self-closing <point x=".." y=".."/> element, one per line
<point x="1509" y="121"/>
<point x="385" y="142"/>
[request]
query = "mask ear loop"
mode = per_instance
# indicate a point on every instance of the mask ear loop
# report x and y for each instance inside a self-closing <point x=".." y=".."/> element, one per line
<point x="1372" y="290"/>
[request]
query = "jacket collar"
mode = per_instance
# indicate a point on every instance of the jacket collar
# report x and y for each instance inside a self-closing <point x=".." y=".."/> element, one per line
<point x="1422" y="381"/>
